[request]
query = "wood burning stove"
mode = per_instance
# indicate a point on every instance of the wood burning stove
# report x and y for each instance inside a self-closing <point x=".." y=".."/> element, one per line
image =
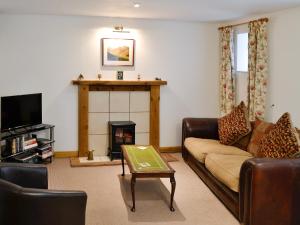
<point x="120" y="132"/>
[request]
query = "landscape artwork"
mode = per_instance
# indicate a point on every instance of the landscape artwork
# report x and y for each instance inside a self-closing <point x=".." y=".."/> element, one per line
<point x="117" y="52"/>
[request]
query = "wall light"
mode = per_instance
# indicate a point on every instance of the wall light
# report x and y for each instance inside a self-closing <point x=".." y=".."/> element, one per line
<point x="120" y="28"/>
<point x="136" y="5"/>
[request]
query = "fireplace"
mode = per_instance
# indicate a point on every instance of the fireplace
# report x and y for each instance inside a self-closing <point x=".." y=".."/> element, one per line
<point x="120" y="132"/>
<point x="85" y="86"/>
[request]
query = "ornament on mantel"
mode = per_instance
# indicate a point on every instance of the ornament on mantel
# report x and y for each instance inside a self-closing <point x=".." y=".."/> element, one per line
<point x="138" y="76"/>
<point x="99" y="76"/>
<point x="91" y="155"/>
<point x="80" y="77"/>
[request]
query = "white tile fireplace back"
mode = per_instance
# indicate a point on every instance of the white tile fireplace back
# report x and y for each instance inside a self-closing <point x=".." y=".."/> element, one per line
<point x="98" y="101"/>
<point x="107" y="106"/>
<point x="119" y="101"/>
<point x="98" y="123"/>
<point x="99" y="143"/>
<point x="140" y="101"/>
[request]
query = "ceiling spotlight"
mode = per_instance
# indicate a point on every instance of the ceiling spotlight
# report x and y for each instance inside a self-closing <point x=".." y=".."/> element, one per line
<point x="136" y="5"/>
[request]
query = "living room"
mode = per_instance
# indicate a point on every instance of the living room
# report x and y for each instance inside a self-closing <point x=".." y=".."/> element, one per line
<point x="45" y="46"/>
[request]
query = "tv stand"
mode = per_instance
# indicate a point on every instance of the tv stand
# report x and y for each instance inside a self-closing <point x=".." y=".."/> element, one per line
<point x="39" y="126"/>
<point x="32" y="144"/>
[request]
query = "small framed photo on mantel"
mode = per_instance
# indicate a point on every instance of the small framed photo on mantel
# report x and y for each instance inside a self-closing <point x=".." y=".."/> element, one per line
<point x="117" y="52"/>
<point x="119" y="75"/>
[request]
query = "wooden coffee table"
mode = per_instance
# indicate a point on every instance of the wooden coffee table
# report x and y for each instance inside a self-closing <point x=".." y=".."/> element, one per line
<point x="146" y="162"/>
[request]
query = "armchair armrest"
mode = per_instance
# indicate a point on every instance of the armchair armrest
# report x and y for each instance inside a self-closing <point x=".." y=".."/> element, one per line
<point x="200" y="128"/>
<point x="25" y="175"/>
<point x="49" y="207"/>
<point x="269" y="191"/>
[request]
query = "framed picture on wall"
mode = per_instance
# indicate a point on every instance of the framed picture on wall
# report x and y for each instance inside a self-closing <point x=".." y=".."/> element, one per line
<point x="117" y="52"/>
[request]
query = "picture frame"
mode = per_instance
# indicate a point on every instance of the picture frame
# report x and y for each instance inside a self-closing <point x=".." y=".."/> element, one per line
<point x="117" y="52"/>
<point x="119" y="75"/>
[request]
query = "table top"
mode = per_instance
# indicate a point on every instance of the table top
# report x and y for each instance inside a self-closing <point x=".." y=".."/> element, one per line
<point x="145" y="159"/>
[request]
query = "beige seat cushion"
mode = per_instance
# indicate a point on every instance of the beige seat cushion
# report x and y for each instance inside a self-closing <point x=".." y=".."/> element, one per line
<point x="226" y="168"/>
<point x="199" y="148"/>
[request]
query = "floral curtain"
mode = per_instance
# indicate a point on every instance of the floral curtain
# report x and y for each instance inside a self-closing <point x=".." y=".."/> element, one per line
<point x="227" y="82"/>
<point x="258" y="68"/>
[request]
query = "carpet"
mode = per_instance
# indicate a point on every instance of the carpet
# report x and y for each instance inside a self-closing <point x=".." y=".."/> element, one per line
<point x="109" y="199"/>
<point x="105" y="161"/>
<point x="148" y="193"/>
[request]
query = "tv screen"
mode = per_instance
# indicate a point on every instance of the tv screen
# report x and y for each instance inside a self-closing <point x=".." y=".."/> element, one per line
<point x="20" y="111"/>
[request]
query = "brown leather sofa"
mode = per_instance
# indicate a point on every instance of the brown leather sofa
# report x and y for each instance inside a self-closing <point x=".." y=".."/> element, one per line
<point x="25" y="200"/>
<point x="269" y="189"/>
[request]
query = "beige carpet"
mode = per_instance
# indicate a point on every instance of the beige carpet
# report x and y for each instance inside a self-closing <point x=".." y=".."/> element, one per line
<point x="109" y="198"/>
<point x="105" y="161"/>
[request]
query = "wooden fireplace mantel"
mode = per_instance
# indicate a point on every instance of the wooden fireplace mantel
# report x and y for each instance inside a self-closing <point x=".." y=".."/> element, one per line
<point x="120" y="82"/>
<point x="116" y="85"/>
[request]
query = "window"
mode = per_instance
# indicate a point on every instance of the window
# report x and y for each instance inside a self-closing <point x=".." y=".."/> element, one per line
<point x="241" y="62"/>
<point x="242" y="52"/>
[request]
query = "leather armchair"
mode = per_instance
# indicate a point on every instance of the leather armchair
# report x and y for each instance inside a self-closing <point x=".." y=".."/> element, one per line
<point x="25" y="199"/>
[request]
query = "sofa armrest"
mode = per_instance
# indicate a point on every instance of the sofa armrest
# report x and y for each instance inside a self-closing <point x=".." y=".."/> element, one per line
<point x="200" y="128"/>
<point x="269" y="191"/>
<point x="25" y="175"/>
<point x="48" y="207"/>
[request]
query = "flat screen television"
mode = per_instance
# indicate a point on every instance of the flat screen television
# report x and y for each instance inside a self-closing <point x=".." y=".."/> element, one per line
<point x="21" y="111"/>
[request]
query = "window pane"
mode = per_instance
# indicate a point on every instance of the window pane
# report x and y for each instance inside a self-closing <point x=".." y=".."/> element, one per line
<point x="242" y="52"/>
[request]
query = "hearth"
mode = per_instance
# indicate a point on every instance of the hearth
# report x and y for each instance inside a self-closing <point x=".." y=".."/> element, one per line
<point x="120" y="132"/>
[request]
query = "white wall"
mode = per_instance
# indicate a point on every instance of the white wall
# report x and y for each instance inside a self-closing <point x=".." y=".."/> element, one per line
<point x="44" y="53"/>
<point x="284" y="72"/>
<point x="284" y="79"/>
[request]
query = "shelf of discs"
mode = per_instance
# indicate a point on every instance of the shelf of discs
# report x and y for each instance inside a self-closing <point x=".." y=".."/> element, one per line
<point x="28" y="145"/>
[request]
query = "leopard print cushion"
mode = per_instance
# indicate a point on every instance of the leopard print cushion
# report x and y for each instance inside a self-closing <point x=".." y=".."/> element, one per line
<point x="261" y="128"/>
<point x="243" y="143"/>
<point x="282" y="141"/>
<point x="296" y="155"/>
<point x="234" y="125"/>
<point x="298" y="131"/>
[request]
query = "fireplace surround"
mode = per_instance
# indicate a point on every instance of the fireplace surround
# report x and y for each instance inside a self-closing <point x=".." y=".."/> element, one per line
<point x="84" y="86"/>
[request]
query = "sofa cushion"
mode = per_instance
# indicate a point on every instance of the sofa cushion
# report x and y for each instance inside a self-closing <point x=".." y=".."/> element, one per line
<point x="226" y="168"/>
<point x="296" y="155"/>
<point x="199" y="148"/>
<point x="282" y="141"/>
<point x="261" y="128"/>
<point x="234" y="125"/>
<point x="244" y="141"/>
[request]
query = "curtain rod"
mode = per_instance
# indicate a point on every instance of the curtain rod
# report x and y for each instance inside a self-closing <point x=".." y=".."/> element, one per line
<point x="238" y="24"/>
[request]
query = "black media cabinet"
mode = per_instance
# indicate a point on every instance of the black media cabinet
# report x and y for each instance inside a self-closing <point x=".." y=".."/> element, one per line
<point x="28" y="145"/>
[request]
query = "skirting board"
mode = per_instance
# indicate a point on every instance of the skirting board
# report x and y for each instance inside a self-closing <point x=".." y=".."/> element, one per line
<point x="170" y="149"/>
<point x="68" y="154"/>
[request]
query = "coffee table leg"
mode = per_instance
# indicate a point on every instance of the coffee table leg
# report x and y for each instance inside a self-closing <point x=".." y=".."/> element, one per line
<point x="173" y="185"/>
<point x="122" y="159"/>
<point x="133" y="179"/>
